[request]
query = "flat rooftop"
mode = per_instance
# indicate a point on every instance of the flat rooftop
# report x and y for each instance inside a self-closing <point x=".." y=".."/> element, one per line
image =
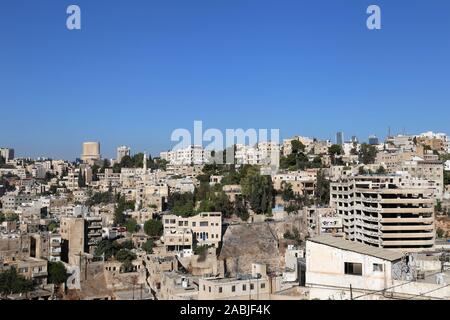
<point x="340" y="243"/>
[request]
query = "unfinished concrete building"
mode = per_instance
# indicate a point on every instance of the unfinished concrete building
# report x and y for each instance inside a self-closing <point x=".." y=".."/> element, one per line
<point x="385" y="211"/>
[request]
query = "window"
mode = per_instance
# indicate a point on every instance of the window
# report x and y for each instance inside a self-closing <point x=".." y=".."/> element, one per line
<point x="220" y="289"/>
<point x="252" y="286"/>
<point x="194" y="224"/>
<point x="233" y="288"/>
<point x="244" y="287"/>
<point x="203" y="223"/>
<point x="263" y="285"/>
<point x="209" y="289"/>
<point x="377" y="267"/>
<point x="353" y="268"/>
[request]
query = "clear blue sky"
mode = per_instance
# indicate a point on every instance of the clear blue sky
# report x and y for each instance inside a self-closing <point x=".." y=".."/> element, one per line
<point x="139" y="69"/>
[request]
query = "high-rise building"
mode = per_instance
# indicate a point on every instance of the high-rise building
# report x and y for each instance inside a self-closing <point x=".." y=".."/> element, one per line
<point x="386" y="211"/>
<point x="122" y="151"/>
<point x="91" y="152"/>
<point x="7" y="153"/>
<point x="373" y="140"/>
<point x="340" y="138"/>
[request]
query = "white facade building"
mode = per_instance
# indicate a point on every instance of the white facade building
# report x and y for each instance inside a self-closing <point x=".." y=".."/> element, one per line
<point x="192" y="155"/>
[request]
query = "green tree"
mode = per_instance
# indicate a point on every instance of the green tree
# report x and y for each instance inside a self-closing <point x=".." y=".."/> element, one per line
<point x="446" y="178"/>
<point x="127" y="244"/>
<point x="438" y="206"/>
<point x="181" y="204"/>
<point x="122" y="206"/>
<point x="286" y="192"/>
<point x="107" y="248"/>
<point x="148" y="246"/>
<point x="381" y="170"/>
<point x="131" y="225"/>
<point x="335" y="150"/>
<point x="124" y="254"/>
<point x="322" y="192"/>
<point x="297" y="146"/>
<point x="52" y="226"/>
<point x="153" y="228"/>
<point x="57" y="273"/>
<point x="81" y="180"/>
<point x="240" y="208"/>
<point x="126" y="162"/>
<point x="367" y="154"/>
<point x="258" y="191"/>
<point x="12" y="283"/>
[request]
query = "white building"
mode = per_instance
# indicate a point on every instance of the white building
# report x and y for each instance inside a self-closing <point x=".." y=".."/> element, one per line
<point x="7" y="153"/>
<point x="447" y="165"/>
<point x="122" y="151"/>
<point x="192" y="155"/>
<point x="206" y="227"/>
<point x="263" y="153"/>
<point x="339" y="269"/>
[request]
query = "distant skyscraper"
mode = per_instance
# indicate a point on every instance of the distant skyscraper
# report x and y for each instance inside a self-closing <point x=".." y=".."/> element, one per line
<point x="340" y="138"/>
<point x="373" y="140"/>
<point x="7" y="153"/>
<point x="91" y="152"/>
<point x="122" y="151"/>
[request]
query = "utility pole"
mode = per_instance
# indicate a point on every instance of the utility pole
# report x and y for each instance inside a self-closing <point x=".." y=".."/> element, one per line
<point x="351" y="293"/>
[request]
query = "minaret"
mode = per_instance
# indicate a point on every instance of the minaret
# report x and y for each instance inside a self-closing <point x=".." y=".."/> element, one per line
<point x="145" y="162"/>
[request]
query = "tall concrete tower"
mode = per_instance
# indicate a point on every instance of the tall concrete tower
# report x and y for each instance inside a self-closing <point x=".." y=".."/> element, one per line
<point x="91" y="152"/>
<point x="145" y="161"/>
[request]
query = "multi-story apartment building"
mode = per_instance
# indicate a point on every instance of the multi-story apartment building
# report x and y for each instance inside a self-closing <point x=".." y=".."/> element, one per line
<point x="301" y="182"/>
<point x="192" y="155"/>
<point x="263" y="153"/>
<point x="79" y="235"/>
<point x="45" y="246"/>
<point x="247" y="155"/>
<point x="403" y="143"/>
<point x="12" y="202"/>
<point x="7" y="153"/>
<point x="122" y="151"/>
<point x="320" y="147"/>
<point x="385" y="211"/>
<point x="206" y="227"/>
<point x="255" y="286"/>
<point x="73" y="238"/>
<point x="393" y="161"/>
<point x="287" y="144"/>
<point x="432" y="171"/>
<point x="436" y="141"/>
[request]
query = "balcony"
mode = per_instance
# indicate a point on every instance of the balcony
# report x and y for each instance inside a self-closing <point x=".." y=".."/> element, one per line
<point x="424" y="235"/>
<point x="56" y="244"/>
<point x="39" y="274"/>
<point x="408" y="220"/>
<point x="375" y="234"/>
<point x="424" y="227"/>
<point x="409" y="243"/>
<point x="408" y="210"/>
<point x="95" y="226"/>
<point x="406" y="201"/>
